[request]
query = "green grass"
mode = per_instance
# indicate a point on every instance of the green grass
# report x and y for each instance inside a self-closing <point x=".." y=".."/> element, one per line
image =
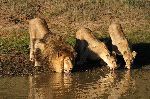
<point x="134" y="37"/>
<point x="16" y="42"/>
<point x="71" y="40"/>
<point x="139" y="37"/>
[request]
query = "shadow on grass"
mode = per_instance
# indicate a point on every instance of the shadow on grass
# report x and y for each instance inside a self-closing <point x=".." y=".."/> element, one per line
<point x="142" y="49"/>
<point x="85" y="54"/>
<point x="143" y="54"/>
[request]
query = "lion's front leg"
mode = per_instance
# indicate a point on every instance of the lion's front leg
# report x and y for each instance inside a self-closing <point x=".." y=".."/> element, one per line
<point x="32" y="48"/>
<point x="39" y="47"/>
<point x="32" y="40"/>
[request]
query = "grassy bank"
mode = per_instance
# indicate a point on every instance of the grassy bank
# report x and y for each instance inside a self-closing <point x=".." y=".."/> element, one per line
<point x="15" y="42"/>
<point x="66" y="17"/>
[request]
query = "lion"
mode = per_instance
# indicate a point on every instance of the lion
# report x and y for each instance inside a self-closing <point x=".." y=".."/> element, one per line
<point x="88" y="47"/>
<point x="38" y="31"/>
<point x="49" y="49"/>
<point x="120" y="44"/>
<point x="61" y="56"/>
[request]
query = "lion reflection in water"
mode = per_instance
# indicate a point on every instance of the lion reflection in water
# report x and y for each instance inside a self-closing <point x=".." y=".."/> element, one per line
<point x="45" y="86"/>
<point x="112" y="85"/>
<point x="49" y="49"/>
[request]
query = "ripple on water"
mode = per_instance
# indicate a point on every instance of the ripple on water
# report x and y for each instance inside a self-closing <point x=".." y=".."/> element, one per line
<point x="79" y="85"/>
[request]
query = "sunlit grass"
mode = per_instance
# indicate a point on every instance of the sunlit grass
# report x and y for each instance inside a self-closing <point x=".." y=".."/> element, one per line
<point x="139" y="37"/>
<point x="66" y="17"/>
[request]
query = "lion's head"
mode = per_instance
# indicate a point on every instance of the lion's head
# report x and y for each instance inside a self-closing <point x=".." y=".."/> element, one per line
<point x="129" y="57"/>
<point x="60" y="56"/>
<point x="111" y="62"/>
<point x="63" y="61"/>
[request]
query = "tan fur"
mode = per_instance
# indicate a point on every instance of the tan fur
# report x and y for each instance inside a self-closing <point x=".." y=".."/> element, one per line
<point x="48" y="49"/>
<point x="89" y="47"/>
<point x="120" y="44"/>
<point x="38" y="30"/>
<point x="59" y="54"/>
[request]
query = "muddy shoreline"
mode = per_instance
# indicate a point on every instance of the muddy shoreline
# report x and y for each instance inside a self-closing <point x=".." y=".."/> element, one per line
<point x="17" y="65"/>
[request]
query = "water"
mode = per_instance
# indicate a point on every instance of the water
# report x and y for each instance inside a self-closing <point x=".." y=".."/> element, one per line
<point x="95" y="84"/>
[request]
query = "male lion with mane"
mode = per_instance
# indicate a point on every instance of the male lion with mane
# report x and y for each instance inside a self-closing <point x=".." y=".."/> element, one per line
<point x="88" y="47"/>
<point x="49" y="49"/>
<point x="120" y="44"/>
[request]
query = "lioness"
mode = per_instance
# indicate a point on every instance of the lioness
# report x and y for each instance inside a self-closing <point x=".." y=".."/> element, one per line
<point x="44" y="48"/>
<point x="120" y="44"/>
<point x="88" y="47"/>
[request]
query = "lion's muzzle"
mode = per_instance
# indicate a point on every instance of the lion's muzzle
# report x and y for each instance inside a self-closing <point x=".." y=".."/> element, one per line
<point x="68" y="66"/>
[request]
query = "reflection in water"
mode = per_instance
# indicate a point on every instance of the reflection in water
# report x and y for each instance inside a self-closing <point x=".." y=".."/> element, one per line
<point x="83" y="85"/>
<point x="98" y="83"/>
<point x="108" y="86"/>
<point x="122" y="86"/>
<point x="48" y="86"/>
<point x="13" y="87"/>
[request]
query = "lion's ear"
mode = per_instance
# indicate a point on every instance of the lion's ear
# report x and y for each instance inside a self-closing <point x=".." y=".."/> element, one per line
<point x="134" y="54"/>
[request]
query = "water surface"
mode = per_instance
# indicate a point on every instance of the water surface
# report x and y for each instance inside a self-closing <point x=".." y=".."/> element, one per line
<point x="95" y="84"/>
